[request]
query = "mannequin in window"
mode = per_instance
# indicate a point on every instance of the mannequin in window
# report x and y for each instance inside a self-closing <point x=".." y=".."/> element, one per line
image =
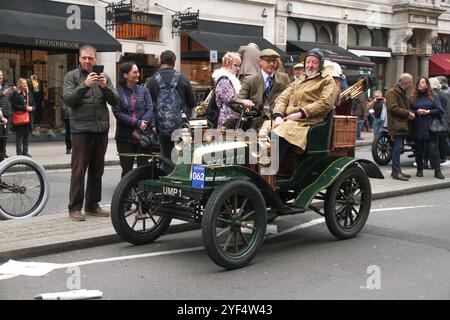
<point x="38" y="97"/>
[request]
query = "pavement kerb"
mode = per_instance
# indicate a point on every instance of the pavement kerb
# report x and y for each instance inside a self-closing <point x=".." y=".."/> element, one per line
<point x="60" y="166"/>
<point x="88" y="242"/>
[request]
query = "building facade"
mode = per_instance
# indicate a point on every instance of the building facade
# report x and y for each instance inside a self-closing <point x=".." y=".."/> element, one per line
<point x="383" y="38"/>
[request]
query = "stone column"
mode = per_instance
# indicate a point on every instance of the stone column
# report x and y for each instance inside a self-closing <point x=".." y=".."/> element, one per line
<point x="398" y="66"/>
<point x="423" y="65"/>
<point x="342" y="35"/>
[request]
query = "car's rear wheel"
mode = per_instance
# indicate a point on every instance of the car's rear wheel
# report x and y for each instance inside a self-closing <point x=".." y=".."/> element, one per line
<point x="347" y="203"/>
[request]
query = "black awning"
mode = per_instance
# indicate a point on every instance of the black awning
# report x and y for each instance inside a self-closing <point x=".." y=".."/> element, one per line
<point x="331" y="51"/>
<point x="51" y="32"/>
<point x="223" y="42"/>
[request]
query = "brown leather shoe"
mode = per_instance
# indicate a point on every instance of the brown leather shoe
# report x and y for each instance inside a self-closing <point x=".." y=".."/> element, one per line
<point x="398" y="176"/>
<point x="77" y="216"/>
<point x="99" y="212"/>
<point x="405" y="175"/>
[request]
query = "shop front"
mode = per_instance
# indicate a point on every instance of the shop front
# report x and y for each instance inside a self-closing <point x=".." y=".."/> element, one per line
<point x="352" y="65"/>
<point x="38" y="44"/>
<point x="202" y="50"/>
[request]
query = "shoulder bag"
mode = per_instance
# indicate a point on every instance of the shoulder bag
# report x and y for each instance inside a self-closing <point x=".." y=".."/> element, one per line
<point x="21" y="117"/>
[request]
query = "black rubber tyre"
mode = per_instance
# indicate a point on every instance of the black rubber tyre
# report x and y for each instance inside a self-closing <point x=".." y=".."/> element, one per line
<point x="133" y="213"/>
<point x="382" y="147"/>
<point x="234" y="224"/>
<point x="347" y="203"/>
<point x="24" y="188"/>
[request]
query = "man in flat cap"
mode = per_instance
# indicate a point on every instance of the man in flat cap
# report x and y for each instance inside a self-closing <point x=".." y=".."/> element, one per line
<point x="260" y="90"/>
<point x="299" y="70"/>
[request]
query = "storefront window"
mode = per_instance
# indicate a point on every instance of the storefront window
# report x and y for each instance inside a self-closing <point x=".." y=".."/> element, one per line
<point x="292" y="30"/>
<point x="324" y="36"/>
<point x="199" y="73"/>
<point x="352" y="36"/>
<point x="45" y="71"/>
<point x="308" y="32"/>
<point x="365" y="38"/>
<point x="140" y="32"/>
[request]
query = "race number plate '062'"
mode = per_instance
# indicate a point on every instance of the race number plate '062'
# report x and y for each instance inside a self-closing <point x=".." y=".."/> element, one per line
<point x="198" y="176"/>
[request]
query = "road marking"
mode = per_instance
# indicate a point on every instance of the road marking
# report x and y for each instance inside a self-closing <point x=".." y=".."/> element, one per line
<point x="403" y="208"/>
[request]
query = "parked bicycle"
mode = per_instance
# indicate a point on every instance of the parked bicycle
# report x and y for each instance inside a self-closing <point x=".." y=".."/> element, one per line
<point x="24" y="188"/>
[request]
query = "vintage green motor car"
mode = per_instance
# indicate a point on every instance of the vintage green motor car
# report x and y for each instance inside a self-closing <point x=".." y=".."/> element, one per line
<point x="233" y="202"/>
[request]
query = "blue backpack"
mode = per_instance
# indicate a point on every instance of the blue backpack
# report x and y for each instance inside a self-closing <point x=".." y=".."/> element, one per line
<point x="168" y="106"/>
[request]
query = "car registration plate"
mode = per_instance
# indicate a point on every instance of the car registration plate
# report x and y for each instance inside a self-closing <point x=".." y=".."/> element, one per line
<point x="172" y="192"/>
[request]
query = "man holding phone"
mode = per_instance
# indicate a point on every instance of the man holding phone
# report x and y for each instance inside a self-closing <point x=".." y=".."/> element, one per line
<point x="86" y="91"/>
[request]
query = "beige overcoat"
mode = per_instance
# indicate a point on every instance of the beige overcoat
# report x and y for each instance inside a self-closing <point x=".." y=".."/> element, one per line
<point x="315" y="96"/>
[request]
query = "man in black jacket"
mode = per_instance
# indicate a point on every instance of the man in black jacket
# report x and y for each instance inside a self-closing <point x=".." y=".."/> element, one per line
<point x="86" y="94"/>
<point x="5" y="119"/>
<point x="184" y="89"/>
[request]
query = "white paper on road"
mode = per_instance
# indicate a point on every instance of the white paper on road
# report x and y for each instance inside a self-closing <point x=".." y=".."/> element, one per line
<point x="32" y="269"/>
<point x="70" y="295"/>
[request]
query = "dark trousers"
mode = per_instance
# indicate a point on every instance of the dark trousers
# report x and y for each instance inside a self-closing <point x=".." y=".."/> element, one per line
<point x="68" y="135"/>
<point x="126" y="162"/>
<point x="88" y="154"/>
<point x="443" y="145"/>
<point x="22" y="139"/>
<point x="421" y="147"/>
<point x="4" y="132"/>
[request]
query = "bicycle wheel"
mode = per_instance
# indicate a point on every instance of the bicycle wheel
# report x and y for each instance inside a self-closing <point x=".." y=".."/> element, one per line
<point x="24" y="188"/>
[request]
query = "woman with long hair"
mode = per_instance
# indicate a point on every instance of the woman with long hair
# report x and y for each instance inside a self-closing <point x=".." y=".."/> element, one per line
<point x="21" y="102"/>
<point x="134" y="114"/>
<point x="426" y="105"/>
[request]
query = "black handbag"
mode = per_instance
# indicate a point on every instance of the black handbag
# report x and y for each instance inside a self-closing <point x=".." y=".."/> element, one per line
<point x="438" y="125"/>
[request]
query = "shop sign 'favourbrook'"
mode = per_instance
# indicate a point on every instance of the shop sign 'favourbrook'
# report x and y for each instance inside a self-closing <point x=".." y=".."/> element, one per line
<point x="57" y="44"/>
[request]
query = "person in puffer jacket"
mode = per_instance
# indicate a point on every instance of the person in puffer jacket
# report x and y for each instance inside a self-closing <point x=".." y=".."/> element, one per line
<point x="86" y="94"/>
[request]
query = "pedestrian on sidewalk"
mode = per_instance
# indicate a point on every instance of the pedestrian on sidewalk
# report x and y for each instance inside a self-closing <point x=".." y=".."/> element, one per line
<point x="5" y="109"/>
<point x="86" y="93"/>
<point x="399" y="114"/>
<point x="65" y="117"/>
<point x="377" y="104"/>
<point x="169" y="105"/>
<point x="426" y="105"/>
<point x="359" y="109"/>
<point x="445" y="92"/>
<point x="134" y="114"/>
<point x="22" y="103"/>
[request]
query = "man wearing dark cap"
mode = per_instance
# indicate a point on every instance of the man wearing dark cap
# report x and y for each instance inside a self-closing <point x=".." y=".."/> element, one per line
<point x="260" y="90"/>
<point x="299" y="70"/>
<point x="306" y="102"/>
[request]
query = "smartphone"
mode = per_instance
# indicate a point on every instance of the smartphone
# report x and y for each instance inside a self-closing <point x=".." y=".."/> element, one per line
<point x="98" y="68"/>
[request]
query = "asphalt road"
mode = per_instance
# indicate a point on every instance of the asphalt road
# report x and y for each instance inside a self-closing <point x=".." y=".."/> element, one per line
<point x="402" y="253"/>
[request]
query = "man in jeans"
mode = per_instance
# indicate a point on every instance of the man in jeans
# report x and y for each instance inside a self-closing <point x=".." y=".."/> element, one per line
<point x="399" y="114"/>
<point x="86" y="94"/>
<point x="184" y="89"/>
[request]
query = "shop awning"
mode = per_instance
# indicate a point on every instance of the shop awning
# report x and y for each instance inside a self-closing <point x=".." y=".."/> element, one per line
<point x="52" y="32"/>
<point x="332" y="52"/>
<point x="223" y="42"/>
<point x="439" y="65"/>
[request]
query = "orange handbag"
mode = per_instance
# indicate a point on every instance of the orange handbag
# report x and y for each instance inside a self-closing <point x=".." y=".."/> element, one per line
<point x="20" y="118"/>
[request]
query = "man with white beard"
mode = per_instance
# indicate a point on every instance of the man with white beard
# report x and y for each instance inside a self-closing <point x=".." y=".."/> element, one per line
<point x="306" y="102"/>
